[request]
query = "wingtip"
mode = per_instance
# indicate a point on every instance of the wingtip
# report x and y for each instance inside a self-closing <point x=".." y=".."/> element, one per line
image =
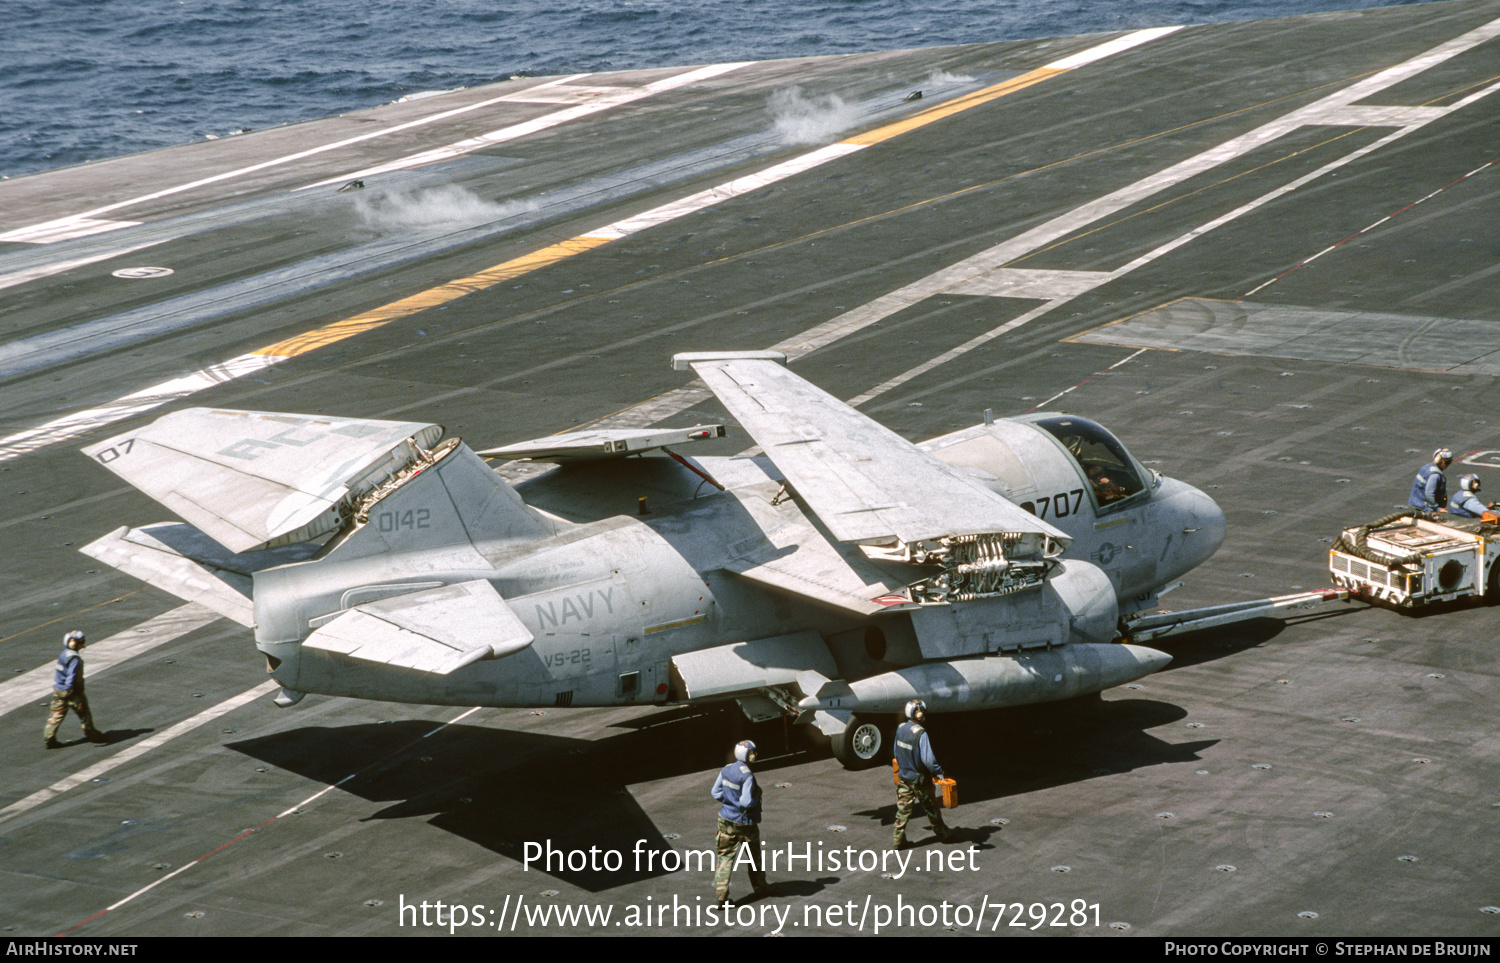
<point x="684" y="360"/>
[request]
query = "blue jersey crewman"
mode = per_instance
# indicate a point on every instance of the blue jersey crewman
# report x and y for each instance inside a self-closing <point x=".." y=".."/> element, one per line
<point x="1430" y="490"/>
<point x="916" y="767"/>
<point x="739" y="821"/>
<point x="1464" y="504"/>
<point x="68" y="693"/>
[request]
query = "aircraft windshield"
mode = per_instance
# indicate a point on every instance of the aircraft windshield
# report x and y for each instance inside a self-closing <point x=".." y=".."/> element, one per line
<point x="1110" y="471"/>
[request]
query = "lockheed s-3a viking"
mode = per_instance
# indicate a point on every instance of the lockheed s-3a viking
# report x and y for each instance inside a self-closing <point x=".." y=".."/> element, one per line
<point x="827" y="581"/>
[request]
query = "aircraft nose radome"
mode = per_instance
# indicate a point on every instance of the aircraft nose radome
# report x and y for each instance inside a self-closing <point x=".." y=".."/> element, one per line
<point x="1209" y="520"/>
<point x="1200" y="519"/>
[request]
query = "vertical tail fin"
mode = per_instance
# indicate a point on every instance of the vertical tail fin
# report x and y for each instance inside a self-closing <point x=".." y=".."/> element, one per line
<point x="456" y="500"/>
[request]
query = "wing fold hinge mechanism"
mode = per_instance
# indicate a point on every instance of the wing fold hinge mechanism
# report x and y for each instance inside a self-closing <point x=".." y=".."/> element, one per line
<point x="970" y="567"/>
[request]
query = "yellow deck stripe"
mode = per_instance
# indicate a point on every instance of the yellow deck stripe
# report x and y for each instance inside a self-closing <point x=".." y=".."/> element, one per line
<point x="954" y="106"/>
<point x="431" y="298"/>
<point x="553" y="253"/>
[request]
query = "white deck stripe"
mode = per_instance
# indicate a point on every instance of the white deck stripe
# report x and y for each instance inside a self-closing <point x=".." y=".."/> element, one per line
<point x="306" y="802"/>
<point x="65" y="223"/>
<point x="36" y="685"/>
<point x="954" y="353"/>
<point x="1418" y="120"/>
<point x="63" y="229"/>
<point x="1109" y="49"/>
<point x="617" y="97"/>
<point x="1365" y="115"/>
<point x="73" y="426"/>
<point x="82" y="422"/>
<point x="1379" y="221"/>
<point x="1166" y="248"/>
<point x="1044" y="404"/>
<point x="723" y="192"/>
<point x="274" y="162"/>
<point x="141" y="748"/>
<point x="1094" y="211"/>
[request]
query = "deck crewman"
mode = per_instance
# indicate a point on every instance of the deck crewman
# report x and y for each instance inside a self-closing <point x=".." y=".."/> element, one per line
<point x="68" y="693"/>
<point x="1430" y="490"/>
<point x="739" y="821"/>
<point x="916" y="768"/>
<point x="1465" y="503"/>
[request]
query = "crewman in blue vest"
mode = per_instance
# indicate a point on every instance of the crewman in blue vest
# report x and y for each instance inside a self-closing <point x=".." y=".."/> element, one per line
<point x="67" y="692"/>
<point x="1464" y="504"/>
<point x="1430" y="490"/>
<point x="739" y="821"/>
<point x="916" y="768"/>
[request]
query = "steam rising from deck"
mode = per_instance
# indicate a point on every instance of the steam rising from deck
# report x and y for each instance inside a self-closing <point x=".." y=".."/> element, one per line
<point x="809" y="120"/>
<point x="449" y="206"/>
<point x="940" y="76"/>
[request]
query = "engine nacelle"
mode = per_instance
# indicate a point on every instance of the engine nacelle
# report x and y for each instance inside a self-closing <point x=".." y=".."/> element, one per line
<point x="1077" y="604"/>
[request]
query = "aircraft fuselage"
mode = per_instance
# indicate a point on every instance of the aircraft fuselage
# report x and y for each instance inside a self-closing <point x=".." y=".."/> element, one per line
<point x="610" y="603"/>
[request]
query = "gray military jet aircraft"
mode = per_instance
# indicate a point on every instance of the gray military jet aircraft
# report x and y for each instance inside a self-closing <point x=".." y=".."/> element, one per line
<point x="827" y="581"/>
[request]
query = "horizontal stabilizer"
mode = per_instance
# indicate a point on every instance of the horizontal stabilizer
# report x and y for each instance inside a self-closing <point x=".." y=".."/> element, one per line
<point x="865" y="482"/>
<point x="603" y="443"/>
<point x="254" y="480"/>
<point x="180" y="559"/>
<point x="741" y="667"/>
<point x="439" y="630"/>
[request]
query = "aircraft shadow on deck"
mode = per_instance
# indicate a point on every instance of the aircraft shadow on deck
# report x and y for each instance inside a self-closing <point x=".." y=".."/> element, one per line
<point x="1010" y="752"/>
<point x="502" y="788"/>
<point x="1206" y="645"/>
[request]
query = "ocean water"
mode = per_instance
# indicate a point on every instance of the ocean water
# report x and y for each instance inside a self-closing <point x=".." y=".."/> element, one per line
<point x="82" y="80"/>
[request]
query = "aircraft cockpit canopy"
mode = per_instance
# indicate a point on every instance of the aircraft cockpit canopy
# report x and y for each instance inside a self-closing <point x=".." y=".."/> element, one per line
<point x="1112" y="473"/>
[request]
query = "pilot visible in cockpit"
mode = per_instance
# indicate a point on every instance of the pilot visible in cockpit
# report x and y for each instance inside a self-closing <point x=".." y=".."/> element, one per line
<point x="1100" y="455"/>
<point x="1106" y="489"/>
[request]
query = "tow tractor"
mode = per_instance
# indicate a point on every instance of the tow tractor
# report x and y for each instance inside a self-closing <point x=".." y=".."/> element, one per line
<point x="1412" y="558"/>
<point x="1407" y="560"/>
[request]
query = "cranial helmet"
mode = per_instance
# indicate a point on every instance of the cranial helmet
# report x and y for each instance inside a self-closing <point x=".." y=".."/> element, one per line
<point x="913" y="706"/>
<point x="1468" y="483"/>
<point x="742" y="750"/>
<point x="1443" y="454"/>
<point x="75" y="636"/>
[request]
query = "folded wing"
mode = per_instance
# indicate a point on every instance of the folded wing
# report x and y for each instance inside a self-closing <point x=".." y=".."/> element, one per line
<point x="865" y="482"/>
<point x="253" y="480"/>
<point x="600" y="443"/>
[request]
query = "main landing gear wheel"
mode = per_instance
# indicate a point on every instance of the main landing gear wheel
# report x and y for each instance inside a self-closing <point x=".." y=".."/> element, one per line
<point x="863" y="745"/>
